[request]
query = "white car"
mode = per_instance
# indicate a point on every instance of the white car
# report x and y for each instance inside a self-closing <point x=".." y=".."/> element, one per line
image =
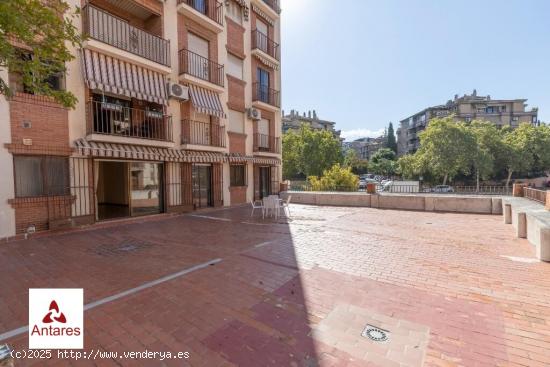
<point x="443" y="189"/>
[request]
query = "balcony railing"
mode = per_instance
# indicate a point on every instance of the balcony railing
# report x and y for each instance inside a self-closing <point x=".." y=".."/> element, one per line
<point x="273" y="4"/>
<point x="265" y="44"/>
<point x="200" y="67"/>
<point x="266" y="143"/>
<point x="105" y="27"/>
<point x="265" y="94"/>
<point x="114" y="119"/>
<point x="202" y="133"/>
<point x="211" y="8"/>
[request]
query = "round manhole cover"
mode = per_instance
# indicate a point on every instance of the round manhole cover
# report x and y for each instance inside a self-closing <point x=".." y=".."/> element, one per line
<point x="375" y="334"/>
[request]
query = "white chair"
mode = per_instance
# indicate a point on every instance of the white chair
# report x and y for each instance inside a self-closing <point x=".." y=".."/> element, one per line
<point x="257" y="204"/>
<point x="271" y="205"/>
<point x="286" y="204"/>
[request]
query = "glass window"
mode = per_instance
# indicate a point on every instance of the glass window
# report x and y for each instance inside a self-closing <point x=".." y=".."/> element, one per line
<point x="236" y="122"/>
<point x="41" y="176"/>
<point x="234" y="66"/>
<point x="238" y="175"/>
<point x="234" y="12"/>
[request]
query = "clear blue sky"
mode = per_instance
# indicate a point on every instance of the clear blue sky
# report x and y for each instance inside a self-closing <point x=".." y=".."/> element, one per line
<point x="363" y="63"/>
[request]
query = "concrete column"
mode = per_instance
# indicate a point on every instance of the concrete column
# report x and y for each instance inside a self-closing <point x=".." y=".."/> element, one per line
<point x="543" y="247"/>
<point x="507" y="213"/>
<point x="521" y="230"/>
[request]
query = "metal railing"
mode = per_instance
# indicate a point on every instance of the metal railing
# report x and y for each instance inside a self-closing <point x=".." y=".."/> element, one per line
<point x="265" y="94"/>
<point x="211" y="8"/>
<point x="266" y="143"/>
<point x="535" y="194"/>
<point x="273" y="4"/>
<point x="200" y="67"/>
<point x="202" y="133"/>
<point x="114" y="119"/>
<point x="105" y="27"/>
<point x="265" y="44"/>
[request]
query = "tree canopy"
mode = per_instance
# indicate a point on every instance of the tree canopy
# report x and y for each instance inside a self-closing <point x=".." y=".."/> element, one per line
<point x="33" y="36"/>
<point x="310" y="152"/>
<point x="391" y="142"/>
<point x="383" y="162"/>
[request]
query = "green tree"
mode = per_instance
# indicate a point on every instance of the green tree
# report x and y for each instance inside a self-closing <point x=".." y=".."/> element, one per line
<point x="336" y="178"/>
<point x="292" y="153"/>
<point x="445" y="148"/>
<point x="391" y="142"/>
<point x="488" y="146"/>
<point x="44" y="27"/>
<point x="357" y="165"/>
<point x="383" y="162"/>
<point x="408" y="166"/>
<point x="321" y="150"/>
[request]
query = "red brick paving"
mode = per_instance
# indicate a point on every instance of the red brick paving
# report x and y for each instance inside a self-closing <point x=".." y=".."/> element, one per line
<point x="279" y="280"/>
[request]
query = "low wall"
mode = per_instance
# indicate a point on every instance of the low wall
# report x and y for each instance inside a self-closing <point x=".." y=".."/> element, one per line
<point x="422" y="202"/>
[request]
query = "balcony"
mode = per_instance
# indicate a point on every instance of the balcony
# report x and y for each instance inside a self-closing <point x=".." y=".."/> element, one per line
<point x="273" y="4"/>
<point x="265" y="44"/>
<point x="200" y="67"/>
<point x="107" y="28"/>
<point x="267" y="143"/>
<point x="116" y="120"/>
<point x="211" y="9"/>
<point x="202" y="133"/>
<point x="264" y="94"/>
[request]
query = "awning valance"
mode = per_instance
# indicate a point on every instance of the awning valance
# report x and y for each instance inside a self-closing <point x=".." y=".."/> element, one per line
<point x="267" y="161"/>
<point x="266" y="61"/>
<point x="120" y="77"/>
<point x="206" y="101"/>
<point x="129" y="151"/>
<point x="239" y="158"/>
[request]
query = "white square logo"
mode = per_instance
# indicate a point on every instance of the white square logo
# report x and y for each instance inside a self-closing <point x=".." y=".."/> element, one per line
<point x="56" y="318"/>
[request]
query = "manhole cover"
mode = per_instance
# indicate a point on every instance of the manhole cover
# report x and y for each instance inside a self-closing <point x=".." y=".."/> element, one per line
<point x="375" y="334"/>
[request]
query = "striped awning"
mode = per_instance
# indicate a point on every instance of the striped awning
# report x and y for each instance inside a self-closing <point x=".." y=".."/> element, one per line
<point x="129" y="151"/>
<point x="266" y="61"/>
<point x="206" y="101"/>
<point x="120" y="77"/>
<point x="267" y="161"/>
<point x="263" y="15"/>
<point x="239" y="158"/>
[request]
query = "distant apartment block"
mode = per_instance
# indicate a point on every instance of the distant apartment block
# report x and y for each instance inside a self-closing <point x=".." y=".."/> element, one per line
<point x="502" y="112"/>
<point x="178" y="109"/>
<point x="366" y="147"/>
<point x="294" y="120"/>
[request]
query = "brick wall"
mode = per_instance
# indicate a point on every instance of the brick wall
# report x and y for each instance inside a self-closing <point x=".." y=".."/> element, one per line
<point x="42" y="212"/>
<point x="235" y="91"/>
<point x="270" y="116"/>
<point x="238" y="195"/>
<point x="237" y="143"/>
<point x="235" y="38"/>
<point x="43" y="121"/>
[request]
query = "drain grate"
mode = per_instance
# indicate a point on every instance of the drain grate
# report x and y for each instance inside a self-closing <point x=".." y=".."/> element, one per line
<point x="375" y="334"/>
<point x="124" y="247"/>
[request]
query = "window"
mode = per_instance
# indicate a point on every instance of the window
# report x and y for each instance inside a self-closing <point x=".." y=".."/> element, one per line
<point x="263" y="85"/>
<point x="490" y="110"/>
<point x="238" y="175"/>
<point x="262" y="27"/>
<point x="236" y="122"/>
<point x="234" y="66"/>
<point x="55" y="81"/>
<point x="234" y="12"/>
<point x="41" y="176"/>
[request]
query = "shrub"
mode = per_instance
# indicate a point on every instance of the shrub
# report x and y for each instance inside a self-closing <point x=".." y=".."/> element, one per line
<point x="335" y="179"/>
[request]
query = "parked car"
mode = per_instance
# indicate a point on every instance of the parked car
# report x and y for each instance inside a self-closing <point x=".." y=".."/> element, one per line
<point x="443" y="189"/>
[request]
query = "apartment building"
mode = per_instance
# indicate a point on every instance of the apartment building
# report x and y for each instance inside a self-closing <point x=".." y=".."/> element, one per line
<point x="178" y="109"/>
<point x="502" y="112"/>
<point x="366" y="147"/>
<point x="294" y="120"/>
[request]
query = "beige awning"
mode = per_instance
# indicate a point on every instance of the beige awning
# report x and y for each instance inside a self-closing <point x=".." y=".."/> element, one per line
<point x="206" y="101"/>
<point x="120" y="77"/>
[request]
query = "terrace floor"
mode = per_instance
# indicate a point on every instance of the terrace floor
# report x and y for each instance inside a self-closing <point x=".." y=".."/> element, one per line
<point x="448" y="289"/>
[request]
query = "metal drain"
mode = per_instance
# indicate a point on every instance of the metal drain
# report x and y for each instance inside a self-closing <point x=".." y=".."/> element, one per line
<point x="375" y="334"/>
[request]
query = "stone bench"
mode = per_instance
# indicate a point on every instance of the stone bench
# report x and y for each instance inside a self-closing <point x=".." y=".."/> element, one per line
<point x="531" y="221"/>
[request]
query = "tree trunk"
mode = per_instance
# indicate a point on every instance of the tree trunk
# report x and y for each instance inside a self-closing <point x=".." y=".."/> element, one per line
<point x="509" y="178"/>
<point x="477" y="181"/>
<point x="445" y="179"/>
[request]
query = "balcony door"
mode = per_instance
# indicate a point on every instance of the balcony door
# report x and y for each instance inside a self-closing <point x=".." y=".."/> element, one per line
<point x="265" y="181"/>
<point x="198" y="57"/>
<point x="263" y="134"/>
<point x="202" y="185"/>
<point x="262" y="77"/>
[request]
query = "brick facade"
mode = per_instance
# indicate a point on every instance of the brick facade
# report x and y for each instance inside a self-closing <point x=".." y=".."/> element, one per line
<point x="236" y="96"/>
<point x="186" y="25"/>
<point x="237" y="143"/>
<point x="238" y="195"/>
<point x="235" y="38"/>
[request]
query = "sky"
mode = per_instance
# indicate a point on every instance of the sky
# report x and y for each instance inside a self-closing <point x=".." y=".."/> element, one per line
<point x="364" y="63"/>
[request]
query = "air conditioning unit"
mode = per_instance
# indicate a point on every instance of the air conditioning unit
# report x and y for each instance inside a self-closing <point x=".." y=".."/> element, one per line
<point x="254" y="114"/>
<point x="177" y="91"/>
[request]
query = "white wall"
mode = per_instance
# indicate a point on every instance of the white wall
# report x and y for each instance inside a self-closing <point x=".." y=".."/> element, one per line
<point x="7" y="214"/>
